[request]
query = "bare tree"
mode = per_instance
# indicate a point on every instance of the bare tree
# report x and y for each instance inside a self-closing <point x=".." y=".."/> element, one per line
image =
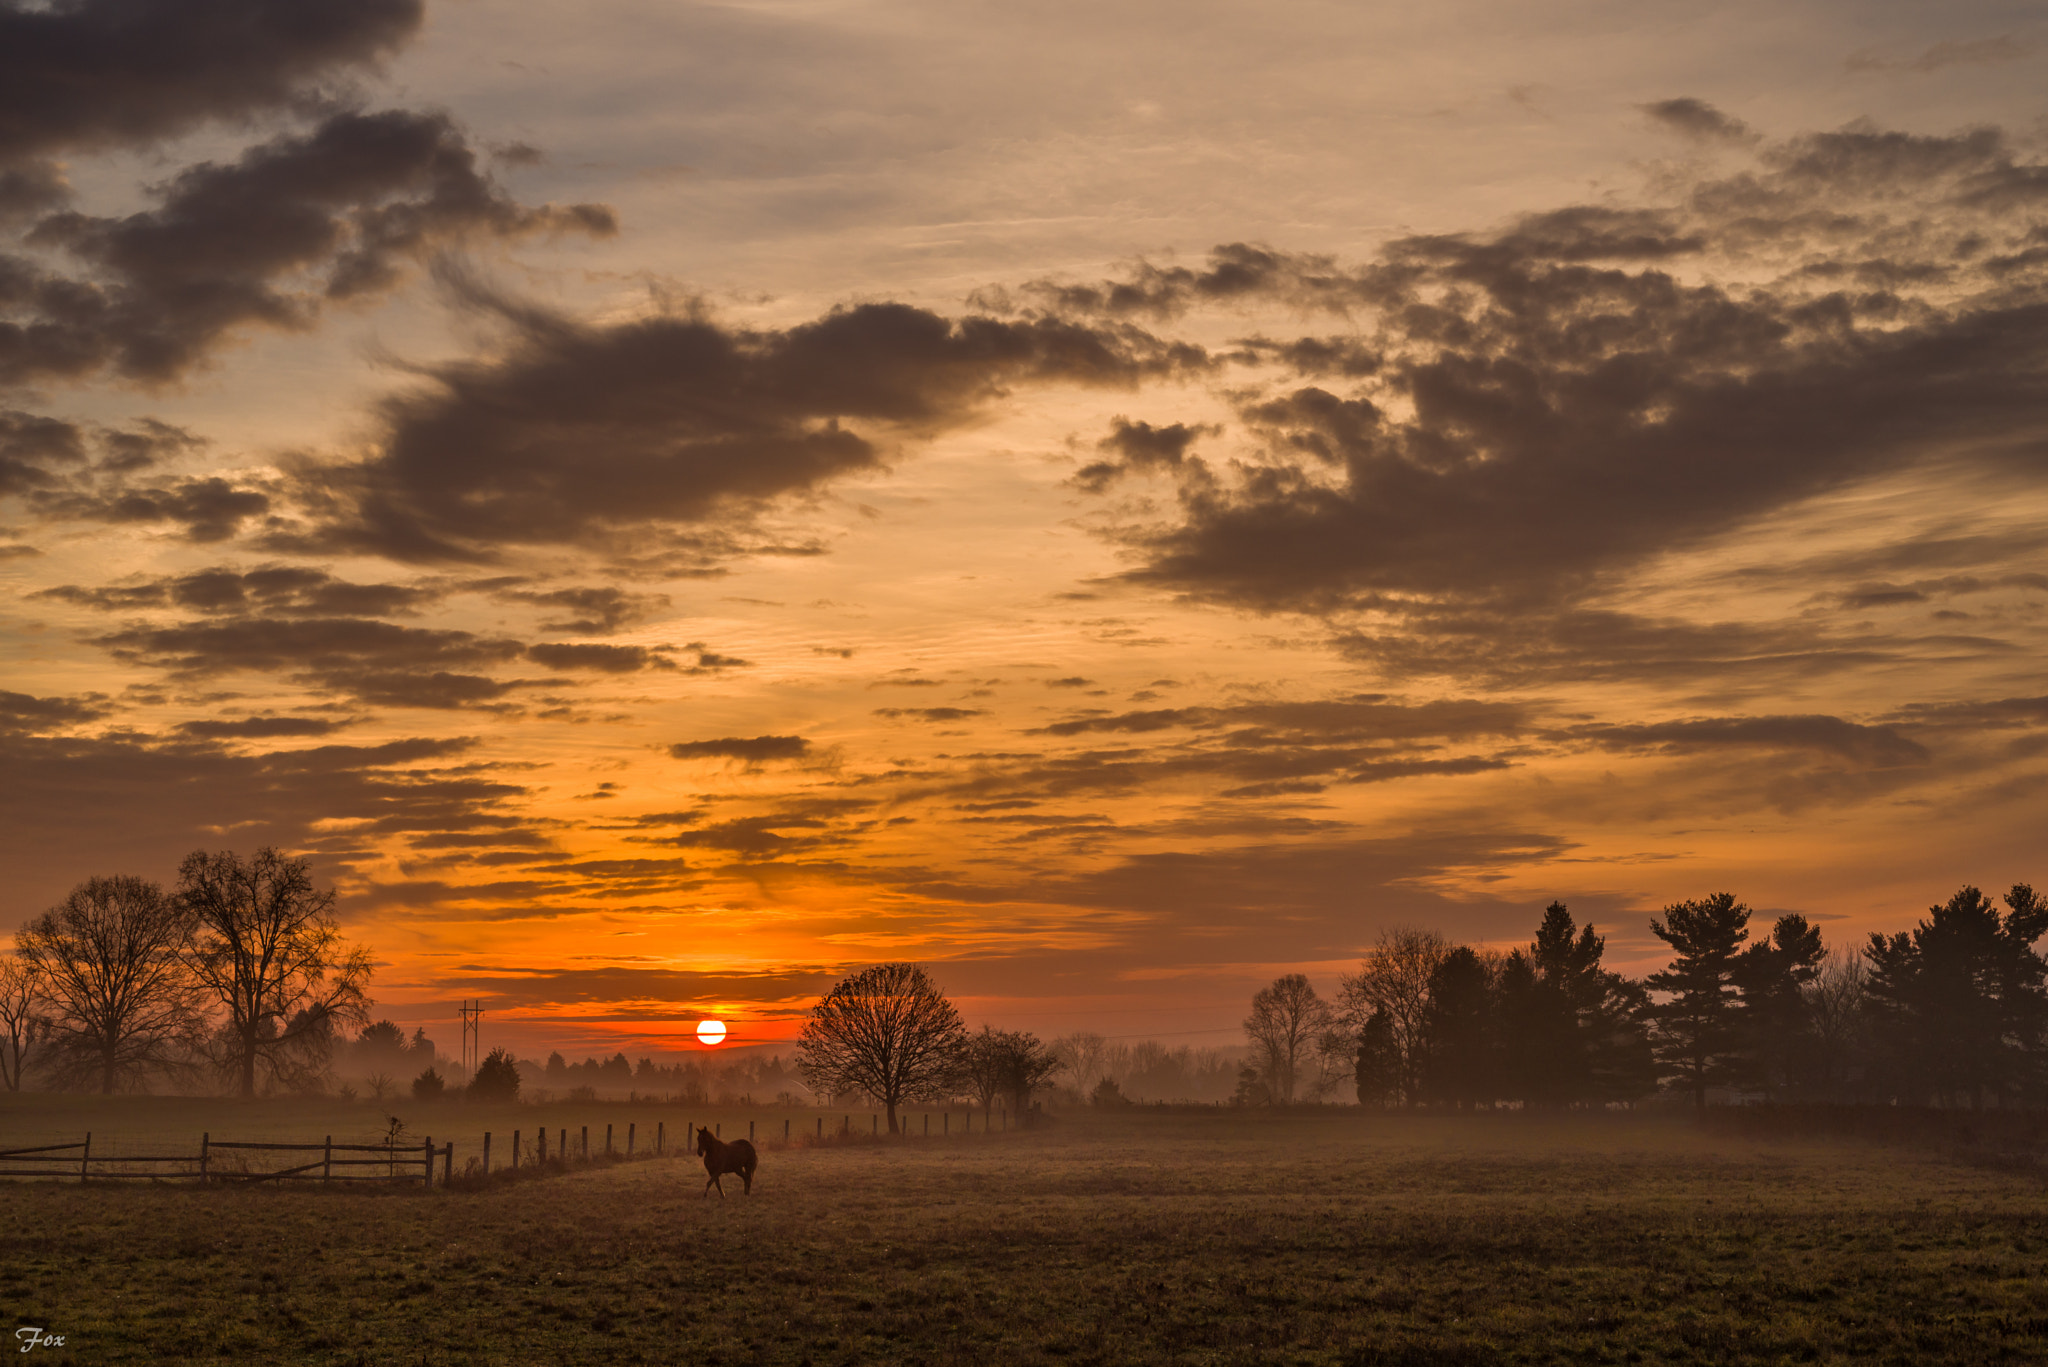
<point x="1083" y="1056"/>
<point x="1286" y="1026"/>
<point x="23" y="1024"/>
<point x="1835" y="1013"/>
<point x="1394" y="978"/>
<point x="887" y="1031"/>
<point x="265" y="946"/>
<point x="121" y="999"/>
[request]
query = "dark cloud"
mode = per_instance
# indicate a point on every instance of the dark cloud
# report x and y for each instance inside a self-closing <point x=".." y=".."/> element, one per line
<point x="24" y="712"/>
<point x="2005" y="47"/>
<point x="1558" y="402"/>
<point x="931" y="714"/>
<point x="328" y="215"/>
<point x="92" y="74"/>
<point x="260" y="728"/>
<point x="33" y="449"/>
<point x="583" y="433"/>
<point x="275" y="589"/>
<point x="1140" y="448"/>
<point x="1698" y="119"/>
<point x="1875" y="746"/>
<point x="595" y="611"/>
<point x="752" y="749"/>
<point x="210" y="510"/>
<point x="602" y="658"/>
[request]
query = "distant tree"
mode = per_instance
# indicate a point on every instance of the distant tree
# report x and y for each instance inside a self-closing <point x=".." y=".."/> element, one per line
<point x="1084" y="1057"/>
<point x="558" y="1068"/>
<point x="1958" y="1002"/>
<point x="1838" y="1024"/>
<point x="1771" y="977"/>
<point x="1697" y="1034"/>
<point x="497" y="1078"/>
<point x="887" y="1031"/>
<point x="617" y="1071"/>
<point x="23" y="1024"/>
<point x="1251" y="1089"/>
<point x="983" y="1065"/>
<point x="1107" y="1096"/>
<point x="1377" y="1069"/>
<point x="1393" y="979"/>
<point x="1461" y="1064"/>
<point x="1580" y="1028"/>
<point x="428" y="1086"/>
<point x="121" y="1001"/>
<point x="264" y="945"/>
<point x="1285" y="1027"/>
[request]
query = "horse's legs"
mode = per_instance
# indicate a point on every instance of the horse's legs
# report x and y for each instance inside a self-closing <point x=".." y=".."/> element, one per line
<point x="747" y="1177"/>
<point x="720" y="1179"/>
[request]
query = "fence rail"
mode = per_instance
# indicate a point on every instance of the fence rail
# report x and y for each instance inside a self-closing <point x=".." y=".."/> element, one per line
<point x="77" y="1162"/>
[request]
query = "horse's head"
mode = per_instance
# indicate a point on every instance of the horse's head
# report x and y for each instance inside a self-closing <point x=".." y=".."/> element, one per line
<point x="704" y="1135"/>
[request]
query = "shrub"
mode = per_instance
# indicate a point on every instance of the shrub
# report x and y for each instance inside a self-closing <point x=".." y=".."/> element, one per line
<point x="428" y="1086"/>
<point x="497" y="1078"/>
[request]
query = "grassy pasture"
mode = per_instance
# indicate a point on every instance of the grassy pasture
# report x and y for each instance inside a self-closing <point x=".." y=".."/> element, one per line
<point x="1194" y="1237"/>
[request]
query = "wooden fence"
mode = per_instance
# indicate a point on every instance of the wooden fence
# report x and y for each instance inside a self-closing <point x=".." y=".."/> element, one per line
<point x="219" y="1161"/>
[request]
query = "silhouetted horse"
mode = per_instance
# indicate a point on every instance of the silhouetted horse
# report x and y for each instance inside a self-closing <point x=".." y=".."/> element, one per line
<point x="721" y="1158"/>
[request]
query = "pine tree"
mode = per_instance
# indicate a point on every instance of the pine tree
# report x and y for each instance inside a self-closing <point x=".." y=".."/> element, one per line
<point x="1696" y="1032"/>
<point x="1461" y="1062"/>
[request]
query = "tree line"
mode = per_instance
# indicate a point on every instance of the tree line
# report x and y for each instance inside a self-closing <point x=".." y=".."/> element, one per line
<point x="238" y="973"/>
<point x="1951" y="1012"/>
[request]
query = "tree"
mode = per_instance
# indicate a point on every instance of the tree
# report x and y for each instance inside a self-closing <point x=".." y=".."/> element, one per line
<point x="1771" y="976"/>
<point x="1084" y="1056"/>
<point x="428" y="1086"/>
<point x="1005" y="1064"/>
<point x="887" y="1031"/>
<point x="497" y="1078"/>
<point x="1287" y="1023"/>
<point x="1577" y="1027"/>
<point x="1461" y="1063"/>
<point x="265" y="946"/>
<point x="1377" y="1071"/>
<point x="23" y="1026"/>
<point x="121" y="1000"/>
<point x="1958" y="1002"/>
<point x="1394" y="978"/>
<point x="1836" y="1017"/>
<point x="1697" y="1036"/>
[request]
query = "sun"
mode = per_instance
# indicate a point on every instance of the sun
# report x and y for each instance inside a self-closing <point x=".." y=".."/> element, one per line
<point x="711" y="1032"/>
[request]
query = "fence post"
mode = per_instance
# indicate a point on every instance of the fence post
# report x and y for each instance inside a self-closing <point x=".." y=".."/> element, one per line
<point x="821" y="1127"/>
<point x="660" y="1138"/>
<point x="543" y="1144"/>
<point x="205" y="1139"/>
<point x="874" y="1124"/>
<point x="487" y="1153"/>
<point x="327" y="1161"/>
<point x="785" y="1129"/>
<point x="515" y="1150"/>
<point x="447" y="1162"/>
<point x="586" y="1143"/>
<point x="85" y="1158"/>
<point x="607" y="1141"/>
<point x="562" y="1148"/>
<point x="631" y="1127"/>
<point x="946" y="1123"/>
<point x="750" y="1131"/>
<point x="427" y="1165"/>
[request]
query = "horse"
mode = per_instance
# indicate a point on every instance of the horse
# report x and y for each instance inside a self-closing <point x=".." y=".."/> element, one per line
<point x="721" y="1158"/>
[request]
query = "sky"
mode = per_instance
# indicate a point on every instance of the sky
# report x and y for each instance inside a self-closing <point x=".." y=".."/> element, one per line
<point x="666" y="504"/>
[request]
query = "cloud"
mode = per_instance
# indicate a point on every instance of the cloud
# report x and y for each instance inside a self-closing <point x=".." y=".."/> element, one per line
<point x="260" y="728"/>
<point x="930" y="714"/>
<point x="754" y="750"/>
<point x="272" y="588"/>
<point x="602" y="658"/>
<point x="1699" y="120"/>
<point x="598" y="611"/>
<point x="1874" y="746"/>
<point x="92" y="74"/>
<point x="1140" y="448"/>
<point x="307" y="219"/>
<point x="211" y="509"/>
<point x="1569" y="397"/>
<point x="2005" y="47"/>
<point x="582" y="433"/>
<point x="25" y="712"/>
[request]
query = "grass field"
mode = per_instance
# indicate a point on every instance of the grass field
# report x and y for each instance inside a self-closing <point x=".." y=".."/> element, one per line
<point x="1189" y="1237"/>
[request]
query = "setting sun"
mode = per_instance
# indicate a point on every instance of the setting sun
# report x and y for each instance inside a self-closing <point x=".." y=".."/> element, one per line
<point x="711" y="1032"/>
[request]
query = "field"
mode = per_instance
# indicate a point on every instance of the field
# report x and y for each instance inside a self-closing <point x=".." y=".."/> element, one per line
<point x="1149" y="1236"/>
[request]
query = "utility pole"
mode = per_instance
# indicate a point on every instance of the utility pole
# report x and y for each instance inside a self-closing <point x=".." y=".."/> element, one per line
<point x="472" y="1037"/>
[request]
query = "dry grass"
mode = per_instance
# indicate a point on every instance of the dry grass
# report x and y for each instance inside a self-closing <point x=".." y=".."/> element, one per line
<point x="1148" y="1237"/>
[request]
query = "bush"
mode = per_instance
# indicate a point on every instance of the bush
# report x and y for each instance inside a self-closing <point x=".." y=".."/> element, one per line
<point x="428" y="1086"/>
<point x="1108" y="1096"/>
<point x="497" y="1078"/>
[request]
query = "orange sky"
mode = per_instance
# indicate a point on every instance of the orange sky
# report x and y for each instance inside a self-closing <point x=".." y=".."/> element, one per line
<point x="665" y="504"/>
